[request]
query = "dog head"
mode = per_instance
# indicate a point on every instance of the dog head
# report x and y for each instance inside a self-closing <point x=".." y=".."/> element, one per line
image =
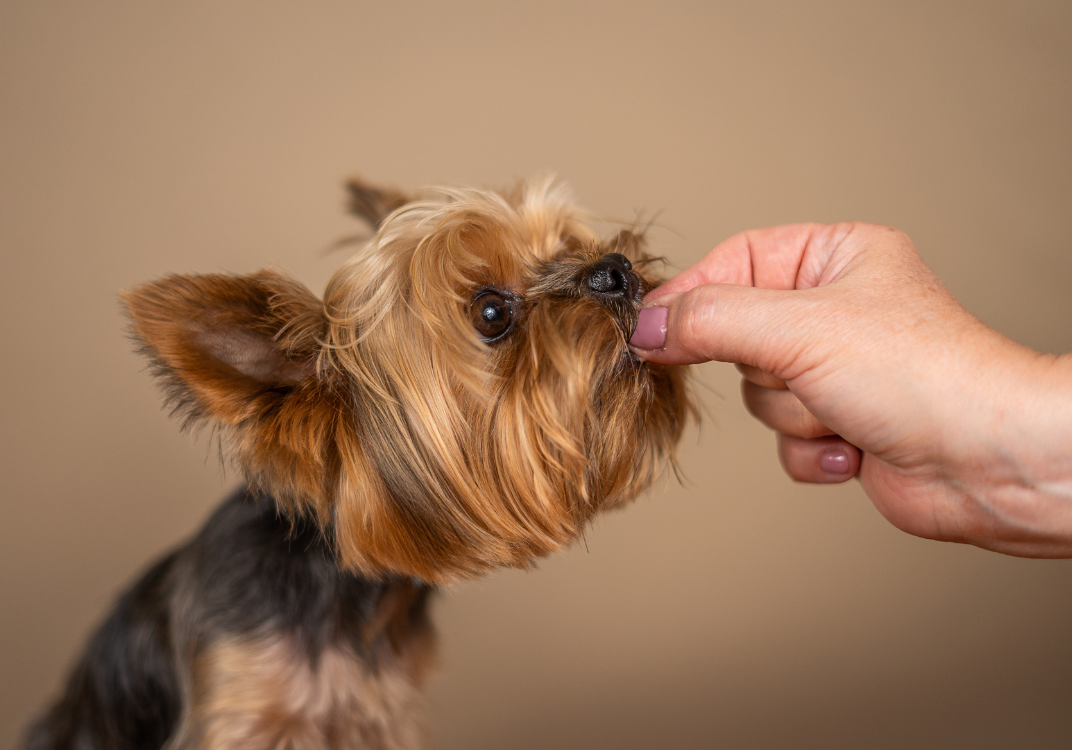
<point x="462" y="398"/>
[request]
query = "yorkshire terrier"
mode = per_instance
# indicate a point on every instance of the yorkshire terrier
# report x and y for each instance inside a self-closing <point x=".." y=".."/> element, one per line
<point x="463" y="398"/>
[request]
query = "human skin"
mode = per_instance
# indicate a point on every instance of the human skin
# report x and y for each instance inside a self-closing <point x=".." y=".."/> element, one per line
<point x="866" y="366"/>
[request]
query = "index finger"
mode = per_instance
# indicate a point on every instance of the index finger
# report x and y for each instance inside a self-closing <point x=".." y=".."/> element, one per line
<point x="792" y="256"/>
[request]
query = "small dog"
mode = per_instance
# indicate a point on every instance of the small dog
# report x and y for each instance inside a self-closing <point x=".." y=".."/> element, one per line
<point x="462" y="399"/>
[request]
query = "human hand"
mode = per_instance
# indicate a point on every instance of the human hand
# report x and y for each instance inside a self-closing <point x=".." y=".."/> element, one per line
<point x="865" y="365"/>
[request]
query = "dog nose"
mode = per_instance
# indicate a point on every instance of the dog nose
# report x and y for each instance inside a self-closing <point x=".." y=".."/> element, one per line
<point x="612" y="276"/>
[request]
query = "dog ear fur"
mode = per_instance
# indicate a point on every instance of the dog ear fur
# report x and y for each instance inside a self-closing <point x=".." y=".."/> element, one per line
<point x="222" y="342"/>
<point x="241" y="352"/>
<point x="373" y="204"/>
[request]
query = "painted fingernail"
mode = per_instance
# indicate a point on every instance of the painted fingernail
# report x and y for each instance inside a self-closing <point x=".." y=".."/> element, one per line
<point x="650" y="330"/>
<point x="835" y="461"/>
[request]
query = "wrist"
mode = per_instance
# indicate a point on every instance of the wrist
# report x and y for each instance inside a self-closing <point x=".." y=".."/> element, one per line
<point x="1038" y="434"/>
<point x="1013" y="484"/>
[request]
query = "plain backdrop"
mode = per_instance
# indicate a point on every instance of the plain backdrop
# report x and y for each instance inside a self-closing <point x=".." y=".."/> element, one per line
<point x="737" y="611"/>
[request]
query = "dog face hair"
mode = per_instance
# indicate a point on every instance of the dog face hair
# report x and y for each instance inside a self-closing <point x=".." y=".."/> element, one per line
<point x="462" y="398"/>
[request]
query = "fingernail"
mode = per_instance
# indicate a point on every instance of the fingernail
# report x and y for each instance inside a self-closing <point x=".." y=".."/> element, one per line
<point x="650" y="330"/>
<point x="835" y="461"/>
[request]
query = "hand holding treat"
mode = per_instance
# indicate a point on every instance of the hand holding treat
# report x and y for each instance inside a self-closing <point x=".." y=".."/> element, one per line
<point x="866" y="366"/>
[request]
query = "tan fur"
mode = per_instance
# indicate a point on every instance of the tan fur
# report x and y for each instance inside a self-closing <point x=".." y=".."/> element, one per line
<point x="267" y="694"/>
<point x="422" y="449"/>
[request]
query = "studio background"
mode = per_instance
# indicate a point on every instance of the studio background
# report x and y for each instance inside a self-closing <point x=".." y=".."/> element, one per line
<point x="740" y="610"/>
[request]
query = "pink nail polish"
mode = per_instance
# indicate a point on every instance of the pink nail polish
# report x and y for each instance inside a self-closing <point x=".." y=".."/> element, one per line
<point x="835" y="461"/>
<point x="650" y="330"/>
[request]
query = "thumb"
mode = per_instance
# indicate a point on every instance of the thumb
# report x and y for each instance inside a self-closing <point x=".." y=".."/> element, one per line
<point x="764" y="328"/>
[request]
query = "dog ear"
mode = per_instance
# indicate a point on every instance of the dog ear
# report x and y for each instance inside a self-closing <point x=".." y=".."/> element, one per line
<point x="241" y="353"/>
<point x="373" y="204"/>
<point x="221" y="342"/>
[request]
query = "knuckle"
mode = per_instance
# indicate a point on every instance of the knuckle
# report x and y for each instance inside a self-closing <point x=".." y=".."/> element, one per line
<point x="694" y="324"/>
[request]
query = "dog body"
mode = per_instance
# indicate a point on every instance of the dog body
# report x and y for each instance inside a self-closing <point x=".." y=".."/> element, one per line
<point x="463" y="398"/>
<point x="251" y="636"/>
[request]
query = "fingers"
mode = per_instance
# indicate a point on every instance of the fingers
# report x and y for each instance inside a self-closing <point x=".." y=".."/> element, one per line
<point x="784" y="257"/>
<point x="761" y="327"/>
<point x="759" y="377"/>
<point x="809" y="451"/>
<point x="782" y="411"/>
<point x="753" y="299"/>
<point x="826" y="460"/>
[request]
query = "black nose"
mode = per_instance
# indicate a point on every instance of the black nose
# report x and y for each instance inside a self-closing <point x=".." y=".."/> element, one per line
<point x="612" y="276"/>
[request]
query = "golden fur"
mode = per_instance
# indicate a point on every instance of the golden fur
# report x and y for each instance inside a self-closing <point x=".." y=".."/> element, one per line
<point x="380" y="412"/>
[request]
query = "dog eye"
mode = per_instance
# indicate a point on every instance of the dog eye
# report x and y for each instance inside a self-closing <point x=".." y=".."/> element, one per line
<point x="491" y="315"/>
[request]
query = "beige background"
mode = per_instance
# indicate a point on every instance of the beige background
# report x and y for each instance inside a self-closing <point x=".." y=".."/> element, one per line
<point x="741" y="611"/>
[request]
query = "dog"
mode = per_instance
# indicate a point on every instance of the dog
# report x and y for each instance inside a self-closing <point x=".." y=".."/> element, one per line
<point x="463" y="398"/>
